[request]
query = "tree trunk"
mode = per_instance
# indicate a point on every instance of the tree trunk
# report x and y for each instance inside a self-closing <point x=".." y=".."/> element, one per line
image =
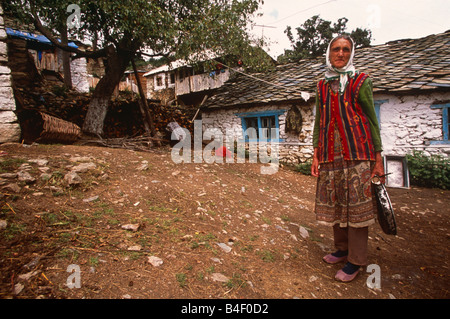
<point x="66" y="58"/>
<point x="148" y="118"/>
<point x="117" y="62"/>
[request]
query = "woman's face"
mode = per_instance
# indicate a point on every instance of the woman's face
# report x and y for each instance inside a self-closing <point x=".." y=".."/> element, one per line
<point x="340" y="52"/>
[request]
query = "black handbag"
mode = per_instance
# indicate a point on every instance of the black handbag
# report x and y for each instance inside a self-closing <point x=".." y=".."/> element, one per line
<point x="385" y="212"/>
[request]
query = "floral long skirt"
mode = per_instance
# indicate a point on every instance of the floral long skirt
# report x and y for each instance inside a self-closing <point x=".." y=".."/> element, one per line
<point x="344" y="192"/>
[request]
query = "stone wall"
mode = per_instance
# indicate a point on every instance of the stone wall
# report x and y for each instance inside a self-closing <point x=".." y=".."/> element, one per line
<point x="9" y="127"/>
<point x="410" y="123"/>
<point x="78" y="71"/>
<point x="165" y="94"/>
<point x="293" y="148"/>
<point x="80" y="75"/>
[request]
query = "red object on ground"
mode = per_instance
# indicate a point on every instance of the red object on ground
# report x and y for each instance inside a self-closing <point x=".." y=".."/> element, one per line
<point x="223" y="151"/>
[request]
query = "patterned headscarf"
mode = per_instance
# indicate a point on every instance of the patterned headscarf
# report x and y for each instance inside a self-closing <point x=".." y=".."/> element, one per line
<point x="333" y="73"/>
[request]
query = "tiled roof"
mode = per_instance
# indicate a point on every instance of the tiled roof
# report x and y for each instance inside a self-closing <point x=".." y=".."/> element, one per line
<point x="397" y="66"/>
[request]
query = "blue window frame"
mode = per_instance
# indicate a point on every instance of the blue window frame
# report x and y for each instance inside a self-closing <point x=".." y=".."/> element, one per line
<point x="262" y="126"/>
<point x="377" y="104"/>
<point x="445" y="123"/>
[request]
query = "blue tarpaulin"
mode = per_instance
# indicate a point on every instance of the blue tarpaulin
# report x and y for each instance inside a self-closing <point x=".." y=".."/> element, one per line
<point x="34" y="37"/>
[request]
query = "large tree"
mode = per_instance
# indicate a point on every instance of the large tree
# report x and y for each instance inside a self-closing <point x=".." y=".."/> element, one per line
<point x="314" y="35"/>
<point x="170" y="28"/>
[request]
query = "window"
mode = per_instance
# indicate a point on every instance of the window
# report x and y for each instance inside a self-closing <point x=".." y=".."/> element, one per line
<point x="261" y="125"/>
<point x="160" y="80"/>
<point x="267" y="124"/>
<point x="445" y="123"/>
<point x="251" y="123"/>
<point x="377" y="104"/>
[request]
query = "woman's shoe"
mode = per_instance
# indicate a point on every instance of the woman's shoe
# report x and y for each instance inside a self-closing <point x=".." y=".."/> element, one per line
<point x="348" y="273"/>
<point x="332" y="259"/>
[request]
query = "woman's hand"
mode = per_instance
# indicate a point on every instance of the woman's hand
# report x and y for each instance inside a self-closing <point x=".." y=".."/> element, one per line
<point x="378" y="168"/>
<point x="315" y="164"/>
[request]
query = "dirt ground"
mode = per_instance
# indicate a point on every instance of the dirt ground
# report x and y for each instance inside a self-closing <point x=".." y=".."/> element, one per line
<point x="180" y="214"/>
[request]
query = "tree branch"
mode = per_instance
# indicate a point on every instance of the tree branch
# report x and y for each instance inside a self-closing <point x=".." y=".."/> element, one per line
<point x="47" y="33"/>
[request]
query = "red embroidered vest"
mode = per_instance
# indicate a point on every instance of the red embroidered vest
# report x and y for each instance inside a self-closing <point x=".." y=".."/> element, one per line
<point x="353" y="125"/>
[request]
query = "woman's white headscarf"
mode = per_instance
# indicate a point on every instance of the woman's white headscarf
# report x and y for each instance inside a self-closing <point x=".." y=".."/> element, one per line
<point x="333" y="73"/>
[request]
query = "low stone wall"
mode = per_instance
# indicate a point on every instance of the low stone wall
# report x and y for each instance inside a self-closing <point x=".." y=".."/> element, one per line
<point x="9" y="126"/>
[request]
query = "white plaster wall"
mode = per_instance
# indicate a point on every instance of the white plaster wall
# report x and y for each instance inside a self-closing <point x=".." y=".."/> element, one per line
<point x="80" y="75"/>
<point x="409" y="123"/>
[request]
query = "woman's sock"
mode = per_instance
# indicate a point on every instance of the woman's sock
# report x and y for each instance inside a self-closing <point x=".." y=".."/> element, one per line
<point x="340" y="253"/>
<point x="350" y="268"/>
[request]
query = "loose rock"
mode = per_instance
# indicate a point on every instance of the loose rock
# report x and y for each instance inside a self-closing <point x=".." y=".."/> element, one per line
<point x="40" y="162"/>
<point x="224" y="247"/>
<point x="219" y="277"/>
<point x="72" y="178"/>
<point x="13" y="187"/>
<point x="155" y="261"/>
<point x="132" y="227"/>
<point x="84" y="167"/>
<point x="25" y="177"/>
<point x="303" y="232"/>
<point x="135" y="248"/>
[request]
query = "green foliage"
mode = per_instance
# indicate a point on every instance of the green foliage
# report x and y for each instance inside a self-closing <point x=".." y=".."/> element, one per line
<point x="60" y="90"/>
<point x="429" y="171"/>
<point x="8" y="165"/>
<point x="177" y="29"/>
<point x="314" y="35"/>
<point x="304" y="168"/>
<point x="181" y="278"/>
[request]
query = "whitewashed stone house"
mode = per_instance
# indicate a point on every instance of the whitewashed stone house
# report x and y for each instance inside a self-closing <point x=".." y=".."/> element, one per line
<point x="411" y="81"/>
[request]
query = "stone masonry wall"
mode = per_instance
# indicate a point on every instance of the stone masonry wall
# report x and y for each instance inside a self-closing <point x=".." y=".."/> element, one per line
<point x="293" y="149"/>
<point x="9" y="126"/>
<point x="407" y="123"/>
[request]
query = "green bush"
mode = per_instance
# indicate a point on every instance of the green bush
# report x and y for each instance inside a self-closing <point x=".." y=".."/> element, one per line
<point x="60" y="90"/>
<point x="304" y="168"/>
<point x="428" y="171"/>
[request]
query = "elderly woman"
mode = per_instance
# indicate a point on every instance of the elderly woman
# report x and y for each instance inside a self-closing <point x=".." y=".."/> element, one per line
<point x="347" y="154"/>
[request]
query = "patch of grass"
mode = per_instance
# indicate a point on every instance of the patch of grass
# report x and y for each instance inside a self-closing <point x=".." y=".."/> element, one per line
<point x="267" y="256"/>
<point x="195" y="245"/>
<point x="103" y="209"/>
<point x="247" y="248"/>
<point x="266" y="220"/>
<point x="113" y="222"/>
<point x="9" y="165"/>
<point x="235" y="282"/>
<point x="13" y="230"/>
<point x="181" y="279"/>
<point x="93" y="261"/>
<point x="68" y="253"/>
<point x="245" y="204"/>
